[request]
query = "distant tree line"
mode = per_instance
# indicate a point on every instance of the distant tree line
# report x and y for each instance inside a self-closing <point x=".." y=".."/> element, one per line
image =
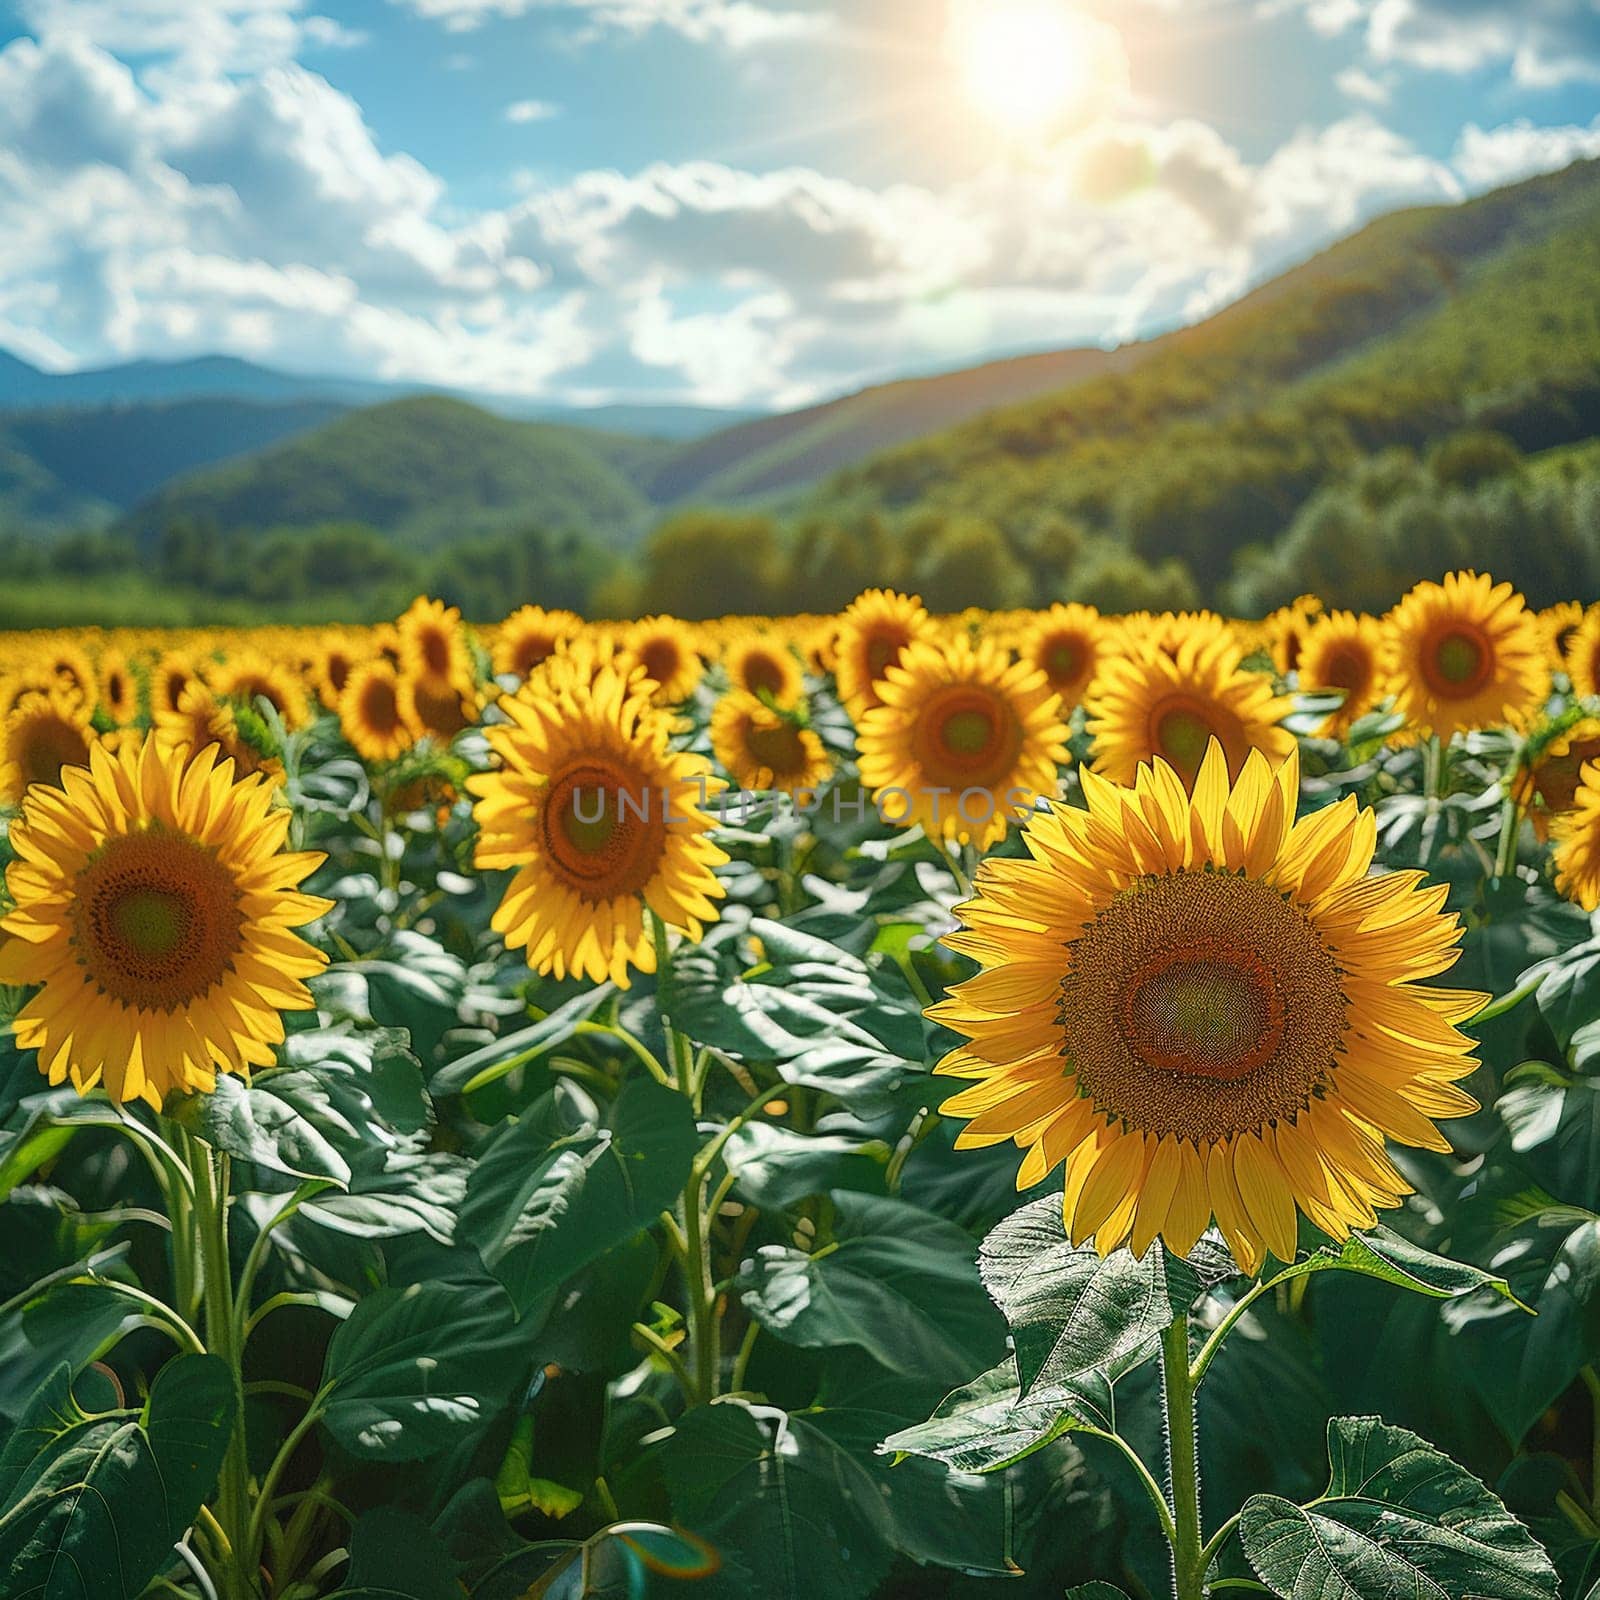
<point x="1360" y="539"/>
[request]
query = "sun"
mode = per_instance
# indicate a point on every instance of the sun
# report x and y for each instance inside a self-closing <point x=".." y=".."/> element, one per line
<point x="1027" y="64"/>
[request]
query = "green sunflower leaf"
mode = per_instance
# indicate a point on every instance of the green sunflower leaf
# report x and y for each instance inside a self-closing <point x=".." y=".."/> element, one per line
<point x="1398" y="1518"/>
<point x="1382" y="1253"/>
<point x="986" y="1424"/>
<point x="1071" y="1312"/>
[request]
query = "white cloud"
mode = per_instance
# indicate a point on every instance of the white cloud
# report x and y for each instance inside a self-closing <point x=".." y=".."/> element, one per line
<point x="737" y="24"/>
<point x="1356" y="83"/>
<point x="256" y="212"/>
<point x="1544" y="43"/>
<point x="1489" y="157"/>
<point x="192" y="39"/>
<point x="532" y="111"/>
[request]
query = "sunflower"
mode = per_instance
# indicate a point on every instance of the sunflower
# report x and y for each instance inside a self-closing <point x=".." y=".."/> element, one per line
<point x="155" y="905"/>
<point x="1559" y="623"/>
<point x="1146" y="703"/>
<point x="530" y="636"/>
<point x="1343" y="651"/>
<point x="440" y="710"/>
<point x="1549" y="769"/>
<point x="1065" y="644"/>
<point x="250" y="676"/>
<point x="335" y="657"/>
<point x="1582" y="658"/>
<point x="119" y="693"/>
<point x="1286" y="630"/>
<point x="170" y="676"/>
<point x="16" y="686"/>
<point x="1576" y="833"/>
<point x="873" y="633"/>
<point x="1207" y="1009"/>
<point x="762" y="664"/>
<point x="962" y="742"/>
<point x="599" y="818"/>
<point x="664" y="648"/>
<point x="433" y="651"/>
<point x="377" y="712"/>
<point x="202" y="722"/>
<point x="1464" y="654"/>
<point x="69" y="664"/>
<point x="1171" y="632"/>
<point x="46" y="732"/>
<point x="763" y="748"/>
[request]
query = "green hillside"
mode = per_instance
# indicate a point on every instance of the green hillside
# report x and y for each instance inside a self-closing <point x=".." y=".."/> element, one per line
<point x="1484" y="316"/>
<point x="423" y="471"/>
<point x="78" y="467"/>
<point x="34" y="498"/>
<point x="772" y="454"/>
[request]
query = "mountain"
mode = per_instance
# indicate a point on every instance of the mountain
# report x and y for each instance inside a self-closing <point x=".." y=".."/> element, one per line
<point x="1189" y="456"/>
<point x="659" y="422"/>
<point x="64" y="468"/>
<point x="1426" y="323"/>
<point x="26" y="387"/>
<point x="422" y="470"/>
<point x="770" y="454"/>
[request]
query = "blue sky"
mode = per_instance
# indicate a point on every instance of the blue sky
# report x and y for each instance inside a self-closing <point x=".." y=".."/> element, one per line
<point x="731" y="202"/>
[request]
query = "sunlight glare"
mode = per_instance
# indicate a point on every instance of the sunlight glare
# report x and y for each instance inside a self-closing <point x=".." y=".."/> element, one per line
<point x="1029" y="65"/>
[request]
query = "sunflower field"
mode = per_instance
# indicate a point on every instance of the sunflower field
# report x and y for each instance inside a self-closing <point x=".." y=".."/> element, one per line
<point x="819" y="1108"/>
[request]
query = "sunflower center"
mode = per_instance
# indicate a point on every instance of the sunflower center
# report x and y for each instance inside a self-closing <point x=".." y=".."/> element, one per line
<point x="1200" y="1010"/>
<point x="1460" y="663"/>
<point x="436" y="653"/>
<point x="1346" y="669"/>
<point x="1201" y="1005"/>
<point x="967" y="733"/>
<point x="605" y="829"/>
<point x="762" y="672"/>
<point x="1061" y="660"/>
<point x="380" y="706"/>
<point x="532" y="651"/>
<point x="150" y="922"/>
<point x="440" y="711"/>
<point x="966" y="737"/>
<point x="47" y="746"/>
<point x="1182" y="736"/>
<point x="661" y="659"/>
<point x="881" y="653"/>
<point x="778" y="747"/>
<point x="156" y="920"/>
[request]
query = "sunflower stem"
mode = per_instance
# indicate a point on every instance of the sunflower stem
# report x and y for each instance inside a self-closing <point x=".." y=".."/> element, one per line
<point x="1505" y="858"/>
<point x="1178" y="1390"/>
<point x="209" y="1169"/>
<point x="699" y="1287"/>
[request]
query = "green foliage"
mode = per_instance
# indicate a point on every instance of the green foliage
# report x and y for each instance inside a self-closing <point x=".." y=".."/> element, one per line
<point x="92" y="1505"/>
<point x="426" y="471"/>
<point x="1397" y="1517"/>
<point x="702" y="564"/>
<point x="1078" y="1322"/>
<point x="394" y="1390"/>
<point x="555" y="1189"/>
<point x="1429" y="330"/>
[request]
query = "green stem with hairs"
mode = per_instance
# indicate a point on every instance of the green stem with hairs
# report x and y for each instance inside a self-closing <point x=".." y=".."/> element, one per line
<point x="1505" y="858"/>
<point x="705" y="1364"/>
<point x="209" y="1170"/>
<point x="1178" y="1391"/>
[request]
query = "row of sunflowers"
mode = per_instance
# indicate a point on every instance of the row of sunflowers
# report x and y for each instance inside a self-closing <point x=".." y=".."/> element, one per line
<point x="468" y="1119"/>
